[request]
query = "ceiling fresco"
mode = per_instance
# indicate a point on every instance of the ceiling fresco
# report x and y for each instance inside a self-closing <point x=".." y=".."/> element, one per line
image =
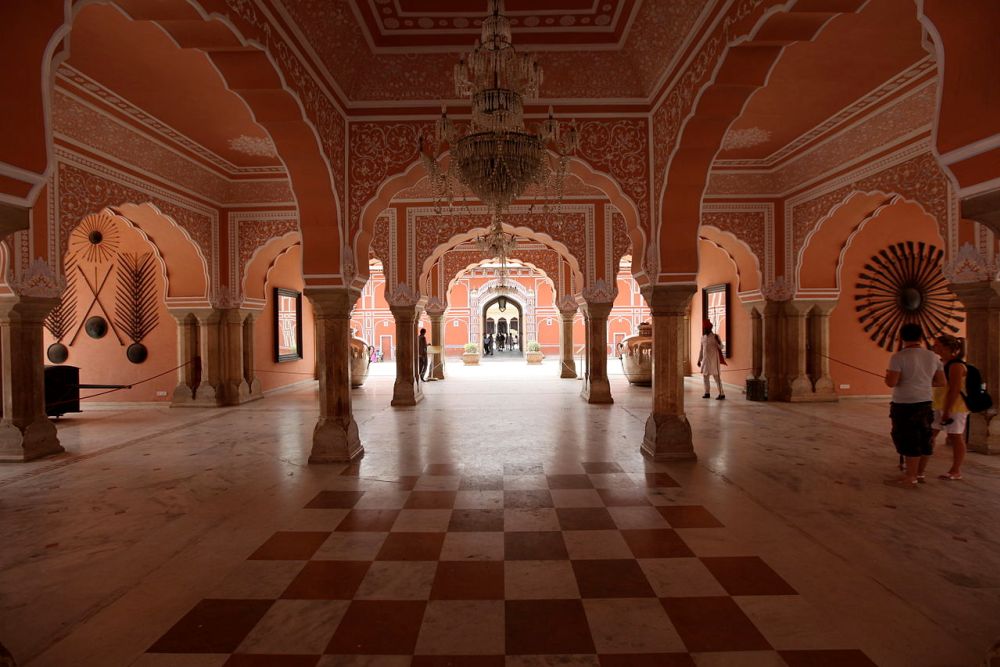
<point x="374" y="56"/>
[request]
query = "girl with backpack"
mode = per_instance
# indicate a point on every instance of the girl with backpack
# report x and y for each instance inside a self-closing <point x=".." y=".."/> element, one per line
<point x="950" y="411"/>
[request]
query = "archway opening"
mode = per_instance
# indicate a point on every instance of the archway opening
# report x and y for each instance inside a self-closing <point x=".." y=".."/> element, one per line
<point x="502" y="317"/>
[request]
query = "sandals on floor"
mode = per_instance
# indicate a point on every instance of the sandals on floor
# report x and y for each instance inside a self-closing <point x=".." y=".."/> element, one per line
<point x="948" y="477"/>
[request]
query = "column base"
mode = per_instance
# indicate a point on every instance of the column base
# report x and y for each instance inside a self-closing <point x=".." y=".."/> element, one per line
<point x="182" y="396"/>
<point x="406" y="395"/>
<point x="567" y="369"/>
<point x="335" y="443"/>
<point x="984" y="434"/>
<point x="598" y="393"/>
<point x="205" y="396"/>
<point x="37" y="440"/>
<point x="668" y="438"/>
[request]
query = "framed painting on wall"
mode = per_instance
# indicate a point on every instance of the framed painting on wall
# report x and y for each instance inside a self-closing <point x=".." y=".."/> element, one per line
<point x="715" y="309"/>
<point x="287" y="324"/>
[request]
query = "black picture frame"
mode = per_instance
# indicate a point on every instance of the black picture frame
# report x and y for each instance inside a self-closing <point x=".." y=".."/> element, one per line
<point x="287" y="301"/>
<point x="715" y="307"/>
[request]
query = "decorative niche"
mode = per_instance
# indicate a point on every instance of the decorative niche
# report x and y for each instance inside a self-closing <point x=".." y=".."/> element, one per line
<point x="287" y="325"/>
<point x="715" y="309"/>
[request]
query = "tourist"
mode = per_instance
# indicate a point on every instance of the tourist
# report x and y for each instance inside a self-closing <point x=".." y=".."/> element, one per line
<point x="710" y="360"/>
<point x="422" y="354"/>
<point x="950" y="412"/>
<point x="912" y="373"/>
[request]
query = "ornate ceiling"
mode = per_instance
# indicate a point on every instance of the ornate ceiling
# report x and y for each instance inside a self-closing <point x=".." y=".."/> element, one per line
<point x="145" y="69"/>
<point x="855" y="58"/>
<point x="444" y="25"/>
<point x="589" y="49"/>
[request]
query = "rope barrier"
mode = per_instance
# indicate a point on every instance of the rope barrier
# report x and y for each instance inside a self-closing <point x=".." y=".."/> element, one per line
<point x="127" y="386"/>
<point x="857" y="368"/>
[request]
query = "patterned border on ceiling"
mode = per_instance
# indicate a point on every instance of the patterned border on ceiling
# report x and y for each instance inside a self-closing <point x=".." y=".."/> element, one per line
<point x="447" y="25"/>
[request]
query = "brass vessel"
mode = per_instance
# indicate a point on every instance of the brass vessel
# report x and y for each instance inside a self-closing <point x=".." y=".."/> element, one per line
<point x="636" y="353"/>
<point x="361" y="356"/>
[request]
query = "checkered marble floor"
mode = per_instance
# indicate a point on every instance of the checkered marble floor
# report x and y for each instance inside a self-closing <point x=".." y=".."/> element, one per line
<point x="503" y="564"/>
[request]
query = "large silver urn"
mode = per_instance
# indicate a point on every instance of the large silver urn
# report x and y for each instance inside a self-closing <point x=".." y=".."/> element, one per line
<point x="360" y="360"/>
<point x="636" y="353"/>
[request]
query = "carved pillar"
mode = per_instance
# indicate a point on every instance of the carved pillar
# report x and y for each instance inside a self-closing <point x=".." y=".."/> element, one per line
<point x="981" y="300"/>
<point x="403" y="305"/>
<point x="796" y="350"/>
<point x="187" y="357"/>
<point x="25" y="431"/>
<point x="596" y="388"/>
<point x="567" y="365"/>
<point x="774" y="350"/>
<point x="335" y="438"/>
<point x="435" y="311"/>
<point x="819" y="349"/>
<point x="210" y="391"/>
<point x="235" y="389"/>
<point x="756" y="339"/>
<point x="668" y="434"/>
<point x="249" y="350"/>
<point x="686" y="345"/>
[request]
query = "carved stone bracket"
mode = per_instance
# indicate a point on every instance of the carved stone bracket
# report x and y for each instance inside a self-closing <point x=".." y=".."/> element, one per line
<point x="39" y="280"/>
<point x="601" y="291"/>
<point x="435" y="306"/>
<point x="567" y="304"/>
<point x="779" y="290"/>
<point x="969" y="266"/>
<point x="402" y="295"/>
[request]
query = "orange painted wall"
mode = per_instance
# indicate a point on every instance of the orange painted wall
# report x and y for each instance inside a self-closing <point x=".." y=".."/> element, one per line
<point x="717" y="268"/>
<point x="103" y="361"/>
<point x="287" y="272"/>
<point x="848" y="341"/>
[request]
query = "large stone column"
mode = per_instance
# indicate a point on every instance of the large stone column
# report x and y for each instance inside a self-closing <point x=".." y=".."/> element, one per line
<point x="686" y="345"/>
<point x="774" y="350"/>
<point x="406" y="390"/>
<point x="668" y="433"/>
<point x="210" y="391"/>
<point x="567" y="365"/>
<point x="249" y="350"/>
<point x="799" y="385"/>
<point x="819" y="348"/>
<point x="335" y="438"/>
<point x="25" y="431"/>
<point x="596" y="388"/>
<point x="187" y="357"/>
<point x="436" y="313"/>
<point x="981" y="300"/>
<point x="235" y="389"/>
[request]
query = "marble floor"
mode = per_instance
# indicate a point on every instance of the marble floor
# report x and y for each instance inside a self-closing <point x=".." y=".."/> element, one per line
<point x="502" y="521"/>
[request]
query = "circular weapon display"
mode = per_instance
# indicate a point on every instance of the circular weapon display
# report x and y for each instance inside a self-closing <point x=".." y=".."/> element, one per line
<point x="902" y="284"/>
<point x="95" y="239"/>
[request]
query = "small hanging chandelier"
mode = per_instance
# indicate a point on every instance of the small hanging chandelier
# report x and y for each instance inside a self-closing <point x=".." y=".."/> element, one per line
<point x="497" y="159"/>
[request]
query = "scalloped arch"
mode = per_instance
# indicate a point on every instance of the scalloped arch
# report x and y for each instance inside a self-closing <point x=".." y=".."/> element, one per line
<point x="829" y="240"/>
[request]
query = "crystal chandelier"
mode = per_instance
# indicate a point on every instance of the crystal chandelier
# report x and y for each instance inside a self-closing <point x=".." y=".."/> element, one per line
<point x="497" y="159"/>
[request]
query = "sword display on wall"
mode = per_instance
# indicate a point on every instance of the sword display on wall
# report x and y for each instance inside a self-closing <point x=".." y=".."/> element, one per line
<point x="96" y="300"/>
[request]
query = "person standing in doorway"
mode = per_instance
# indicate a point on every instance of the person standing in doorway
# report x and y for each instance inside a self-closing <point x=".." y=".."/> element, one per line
<point x="422" y="354"/>
<point x="710" y="360"/>
<point x="912" y="374"/>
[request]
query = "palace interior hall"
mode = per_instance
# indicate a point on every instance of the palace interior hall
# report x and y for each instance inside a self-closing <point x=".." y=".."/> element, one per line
<point x="515" y="333"/>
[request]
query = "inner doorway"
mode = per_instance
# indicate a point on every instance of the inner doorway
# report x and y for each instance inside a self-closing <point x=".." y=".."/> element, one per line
<point x="502" y="318"/>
